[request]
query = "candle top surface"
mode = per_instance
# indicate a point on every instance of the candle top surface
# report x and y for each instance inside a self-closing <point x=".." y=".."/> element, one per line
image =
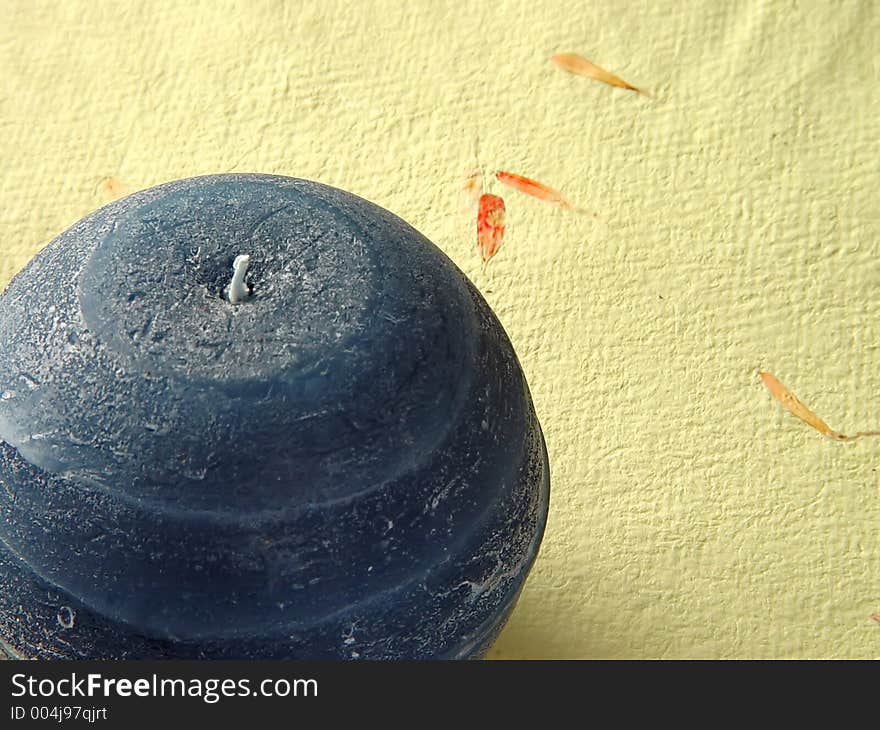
<point x="324" y="273"/>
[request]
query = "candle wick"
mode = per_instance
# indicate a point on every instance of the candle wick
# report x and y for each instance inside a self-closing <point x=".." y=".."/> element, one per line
<point x="238" y="290"/>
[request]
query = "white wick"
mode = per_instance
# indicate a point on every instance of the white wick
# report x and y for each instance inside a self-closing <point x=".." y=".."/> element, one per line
<point x="238" y="290"/>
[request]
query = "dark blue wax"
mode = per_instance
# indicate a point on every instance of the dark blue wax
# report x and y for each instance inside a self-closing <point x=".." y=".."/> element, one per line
<point x="345" y="464"/>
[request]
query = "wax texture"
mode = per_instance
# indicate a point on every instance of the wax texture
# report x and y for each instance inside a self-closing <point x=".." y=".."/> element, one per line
<point x="344" y="464"/>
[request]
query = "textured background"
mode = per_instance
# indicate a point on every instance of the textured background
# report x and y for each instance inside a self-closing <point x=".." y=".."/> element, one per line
<point x="689" y="516"/>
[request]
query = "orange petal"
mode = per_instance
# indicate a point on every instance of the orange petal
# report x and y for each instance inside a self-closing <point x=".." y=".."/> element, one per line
<point x="573" y="63"/>
<point x="791" y="403"/>
<point x="113" y="188"/>
<point x="531" y="187"/>
<point x="490" y="225"/>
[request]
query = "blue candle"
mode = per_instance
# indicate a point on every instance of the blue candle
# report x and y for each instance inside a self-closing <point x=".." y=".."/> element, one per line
<point x="250" y="416"/>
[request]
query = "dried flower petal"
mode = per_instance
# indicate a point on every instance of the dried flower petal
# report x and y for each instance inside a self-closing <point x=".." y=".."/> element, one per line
<point x="113" y="188"/>
<point x="533" y="187"/>
<point x="538" y="190"/>
<point x="490" y="225"/>
<point x="573" y="63"/>
<point x="472" y="189"/>
<point x="791" y="403"/>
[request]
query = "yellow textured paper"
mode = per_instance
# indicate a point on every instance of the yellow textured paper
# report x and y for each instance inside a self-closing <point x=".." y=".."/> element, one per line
<point x="690" y="516"/>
